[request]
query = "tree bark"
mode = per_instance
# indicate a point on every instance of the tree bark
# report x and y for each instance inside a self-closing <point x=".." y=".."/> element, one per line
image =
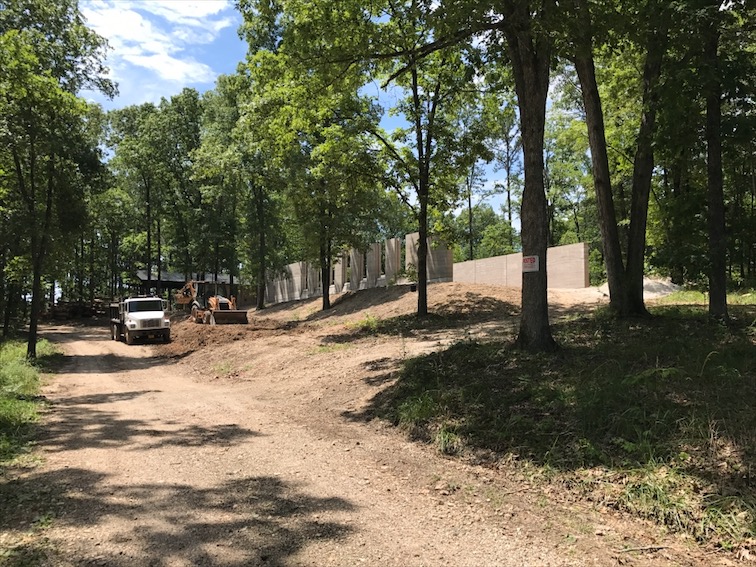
<point x="470" y="218"/>
<point x="39" y="250"/>
<point x="159" y="258"/>
<point x="423" y="192"/>
<point x="325" y="273"/>
<point x="262" y="253"/>
<point x="422" y="258"/>
<point x="594" y="117"/>
<point x="715" y="189"/>
<point x="149" y="236"/>
<point x="643" y="167"/>
<point x="531" y="56"/>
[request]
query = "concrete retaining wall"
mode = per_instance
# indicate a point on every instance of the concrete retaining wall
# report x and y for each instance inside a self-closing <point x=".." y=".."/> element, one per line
<point x="566" y="267"/>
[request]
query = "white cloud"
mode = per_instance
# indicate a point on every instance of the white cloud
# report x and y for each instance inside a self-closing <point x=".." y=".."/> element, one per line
<point x="158" y="42"/>
<point x="180" y="71"/>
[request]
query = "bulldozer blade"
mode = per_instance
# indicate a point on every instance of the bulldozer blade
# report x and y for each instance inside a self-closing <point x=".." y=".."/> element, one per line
<point x="230" y="317"/>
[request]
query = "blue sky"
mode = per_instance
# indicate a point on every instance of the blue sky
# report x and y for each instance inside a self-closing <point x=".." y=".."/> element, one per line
<point x="158" y="47"/>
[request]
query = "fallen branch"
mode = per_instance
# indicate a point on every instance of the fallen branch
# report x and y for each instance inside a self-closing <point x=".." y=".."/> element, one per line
<point x="647" y="548"/>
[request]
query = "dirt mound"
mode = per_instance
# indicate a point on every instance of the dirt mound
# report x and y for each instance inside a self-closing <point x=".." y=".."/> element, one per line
<point x="468" y="303"/>
<point x="188" y="336"/>
<point x="652" y="288"/>
<point x="396" y="301"/>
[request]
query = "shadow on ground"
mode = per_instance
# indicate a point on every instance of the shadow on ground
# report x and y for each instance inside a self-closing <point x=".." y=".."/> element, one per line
<point x="241" y="520"/>
<point x="633" y="399"/>
<point x="82" y="425"/>
<point x="247" y="521"/>
<point x="466" y="310"/>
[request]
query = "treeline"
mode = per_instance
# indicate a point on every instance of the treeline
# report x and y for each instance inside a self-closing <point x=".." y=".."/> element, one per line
<point x="644" y="150"/>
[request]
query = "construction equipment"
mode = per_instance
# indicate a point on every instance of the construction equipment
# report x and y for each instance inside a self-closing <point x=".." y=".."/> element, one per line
<point x="217" y="309"/>
<point x="138" y="317"/>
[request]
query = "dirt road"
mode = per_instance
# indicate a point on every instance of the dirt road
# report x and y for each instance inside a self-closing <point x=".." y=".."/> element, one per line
<point x="157" y="464"/>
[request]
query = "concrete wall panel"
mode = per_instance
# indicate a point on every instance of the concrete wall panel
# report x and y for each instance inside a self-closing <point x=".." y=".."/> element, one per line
<point x="567" y="267"/>
<point x="374" y="264"/>
<point x="393" y="258"/>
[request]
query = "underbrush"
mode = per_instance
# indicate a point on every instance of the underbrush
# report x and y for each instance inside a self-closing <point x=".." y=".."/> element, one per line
<point x="740" y="297"/>
<point x="19" y="403"/>
<point x="651" y="416"/>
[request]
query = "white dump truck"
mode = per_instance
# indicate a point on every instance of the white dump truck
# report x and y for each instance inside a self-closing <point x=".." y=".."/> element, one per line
<point x="140" y="317"/>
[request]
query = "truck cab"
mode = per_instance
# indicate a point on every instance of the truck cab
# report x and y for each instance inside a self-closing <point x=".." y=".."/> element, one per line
<point x="140" y="317"/>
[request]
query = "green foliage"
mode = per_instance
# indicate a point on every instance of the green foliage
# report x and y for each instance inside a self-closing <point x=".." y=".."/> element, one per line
<point x="652" y="415"/>
<point x="369" y="324"/>
<point x="49" y="152"/>
<point x="19" y="385"/>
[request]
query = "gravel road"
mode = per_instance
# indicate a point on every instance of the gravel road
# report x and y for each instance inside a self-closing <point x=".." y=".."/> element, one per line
<point x="155" y="466"/>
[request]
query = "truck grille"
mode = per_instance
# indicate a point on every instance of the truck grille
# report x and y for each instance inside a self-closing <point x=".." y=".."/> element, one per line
<point x="150" y="323"/>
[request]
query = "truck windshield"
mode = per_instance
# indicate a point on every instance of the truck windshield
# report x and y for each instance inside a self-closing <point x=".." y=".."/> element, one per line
<point x="147" y="305"/>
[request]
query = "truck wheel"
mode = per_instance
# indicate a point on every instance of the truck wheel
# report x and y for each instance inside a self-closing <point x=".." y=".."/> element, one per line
<point x="112" y="332"/>
<point x="167" y="337"/>
<point x="129" y="338"/>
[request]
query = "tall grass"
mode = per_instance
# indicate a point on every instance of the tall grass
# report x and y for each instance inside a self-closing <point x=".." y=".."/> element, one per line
<point x="19" y="387"/>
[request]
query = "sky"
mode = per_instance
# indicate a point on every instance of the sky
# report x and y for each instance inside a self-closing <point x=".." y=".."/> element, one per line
<point x="158" y="47"/>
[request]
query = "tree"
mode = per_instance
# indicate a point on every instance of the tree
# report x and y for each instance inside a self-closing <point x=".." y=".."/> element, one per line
<point x="530" y="51"/>
<point x="47" y="55"/>
<point x="649" y="30"/>
<point x="136" y="134"/>
<point x="420" y="46"/>
<point x="499" y="107"/>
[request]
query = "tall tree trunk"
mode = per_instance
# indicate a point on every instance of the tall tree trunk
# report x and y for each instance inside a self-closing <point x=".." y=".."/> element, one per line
<point x="531" y="56"/>
<point x="594" y="118"/>
<point x="262" y="253"/>
<point x="92" y="279"/>
<point x="159" y="259"/>
<point x="80" y="271"/>
<point x="149" y="238"/>
<point x="470" y="217"/>
<point x="325" y="273"/>
<point x="39" y="250"/>
<point x="643" y="168"/>
<point x="114" y="265"/>
<point x="422" y="255"/>
<point x="423" y="192"/>
<point x="715" y="190"/>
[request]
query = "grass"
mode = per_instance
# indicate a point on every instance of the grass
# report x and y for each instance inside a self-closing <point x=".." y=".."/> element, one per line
<point x="652" y="416"/>
<point x="406" y="324"/>
<point x="19" y="412"/>
<point x="329" y="348"/>
<point x="19" y="404"/>
<point x="223" y="368"/>
<point x="694" y="297"/>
